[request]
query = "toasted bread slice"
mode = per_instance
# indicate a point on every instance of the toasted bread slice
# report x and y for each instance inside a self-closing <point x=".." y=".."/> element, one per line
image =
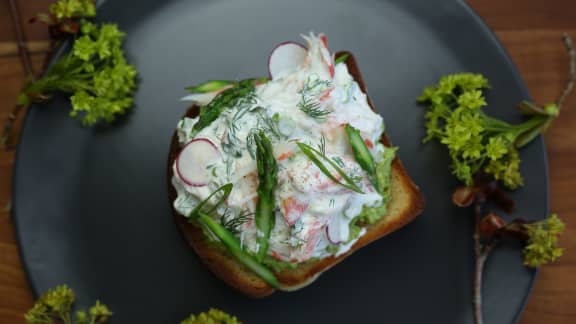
<point x="406" y="202"/>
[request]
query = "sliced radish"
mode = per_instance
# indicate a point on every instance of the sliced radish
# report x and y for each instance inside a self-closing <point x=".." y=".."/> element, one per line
<point x="193" y="160"/>
<point x="286" y="57"/>
<point x="337" y="230"/>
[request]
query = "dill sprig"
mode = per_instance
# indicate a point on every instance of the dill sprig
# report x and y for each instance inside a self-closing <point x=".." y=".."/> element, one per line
<point x="322" y="145"/>
<point x="308" y="103"/>
<point x="232" y="223"/>
<point x="311" y="107"/>
<point x="232" y="143"/>
<point x="264" y="124"/>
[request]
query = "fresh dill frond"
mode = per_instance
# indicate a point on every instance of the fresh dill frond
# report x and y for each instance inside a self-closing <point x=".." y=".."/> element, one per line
<point x="312" y="108"/>
<point x="308" y="103"/>
<point x="233" y="122"/>
<point x="268" y="125"/>
<point x="338" y="161"/>
<point x="322" y="145"/>
<point x="232" y="223"/>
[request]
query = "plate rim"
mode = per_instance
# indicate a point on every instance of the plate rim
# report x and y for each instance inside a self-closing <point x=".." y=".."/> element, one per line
<point x="479" y="24"/>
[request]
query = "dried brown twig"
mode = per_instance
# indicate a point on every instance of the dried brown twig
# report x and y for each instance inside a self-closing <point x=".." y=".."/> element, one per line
<point x="481" y="253"/>
<point x="571" y="70"/>
<point x="21" y="39"/>
<point x="483" y="249"/>
<point x="26" y="64"/>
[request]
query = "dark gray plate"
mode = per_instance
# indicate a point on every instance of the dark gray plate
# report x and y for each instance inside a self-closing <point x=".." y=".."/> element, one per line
<point x="91" y="204"/>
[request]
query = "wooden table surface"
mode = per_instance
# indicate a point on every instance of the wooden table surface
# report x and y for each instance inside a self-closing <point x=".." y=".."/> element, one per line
<point x="529" y="29"/>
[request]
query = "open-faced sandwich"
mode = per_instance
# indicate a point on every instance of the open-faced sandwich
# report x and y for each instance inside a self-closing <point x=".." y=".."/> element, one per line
<point x="275" y="180"/>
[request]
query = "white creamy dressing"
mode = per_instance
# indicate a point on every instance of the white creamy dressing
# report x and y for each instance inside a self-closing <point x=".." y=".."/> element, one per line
<point x="307" y="200"/>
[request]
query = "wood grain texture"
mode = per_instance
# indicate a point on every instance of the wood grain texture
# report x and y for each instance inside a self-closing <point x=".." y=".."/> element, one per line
<point x="529" y="29"/>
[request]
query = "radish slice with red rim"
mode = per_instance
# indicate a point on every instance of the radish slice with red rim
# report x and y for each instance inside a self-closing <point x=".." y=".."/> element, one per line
<point x="286" y="57"/>
<point x="337" y="230"/>
<point x="193" y="160"/>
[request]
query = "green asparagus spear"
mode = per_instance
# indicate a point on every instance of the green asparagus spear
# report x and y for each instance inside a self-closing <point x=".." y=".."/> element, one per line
<point x="233" y="245"/>
<point x="267" y="177"/>
<point x="227" y="238"/>
<point x="362" y="154"/>
<point x="242" y="92"/>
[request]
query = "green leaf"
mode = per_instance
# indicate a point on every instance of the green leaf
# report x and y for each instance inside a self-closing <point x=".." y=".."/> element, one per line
<point x="225" y="191"/>
<point x="315" y="156"/>
<point x="342" y="58"/>
<point x="529" y="135"/>
<point x="210" y="86"/>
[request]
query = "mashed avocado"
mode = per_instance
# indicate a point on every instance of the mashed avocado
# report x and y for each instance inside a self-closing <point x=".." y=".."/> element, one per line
<point x="279" y="266"/>
<point x="370" y="215"/>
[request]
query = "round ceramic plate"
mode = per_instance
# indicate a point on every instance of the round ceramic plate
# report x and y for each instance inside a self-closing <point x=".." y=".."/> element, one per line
<point x="91" y="205"/>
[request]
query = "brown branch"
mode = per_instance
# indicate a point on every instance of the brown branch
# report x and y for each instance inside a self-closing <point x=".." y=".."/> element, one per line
<point x="9" y="125"/>
<point x="21" y="40"/>
<point x="571" y="71"/>
<point x="480" y="259"/>
<point x="26" y="64"/>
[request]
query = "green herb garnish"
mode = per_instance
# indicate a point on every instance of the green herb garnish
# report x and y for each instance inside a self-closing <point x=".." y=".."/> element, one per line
<point x="542" y="246"/>
<point x="55" y="306"/>
<point x="267" y="176"/>
<point x="312" y="108"/>
<point x="308" y="103"/>
<point x="232" y="223"/>
<point x="317" y="156"/>
<point x="363" y="155"/>
<point x="341" y="59"/>
<point x="95" y="72"/>
<point x="476" y="141"/>
<point x="213" y="316"/>
<point x="73" y="8"/>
